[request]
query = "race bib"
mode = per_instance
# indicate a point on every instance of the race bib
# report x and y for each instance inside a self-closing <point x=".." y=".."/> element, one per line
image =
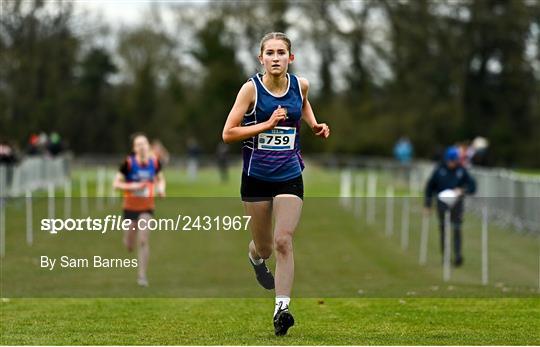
<point x="277" y="139"/>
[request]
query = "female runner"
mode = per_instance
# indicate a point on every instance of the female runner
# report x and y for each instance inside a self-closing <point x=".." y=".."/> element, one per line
<point x="266" y="116"/>
<point x="141" y="178"/>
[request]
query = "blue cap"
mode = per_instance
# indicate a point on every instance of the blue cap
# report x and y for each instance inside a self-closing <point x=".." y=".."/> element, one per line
<point x="452" y="153"/>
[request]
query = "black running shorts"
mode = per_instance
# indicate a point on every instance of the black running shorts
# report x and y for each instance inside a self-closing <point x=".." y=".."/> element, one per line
<point x="254" y="189"/>
<point x="134" y="215"/>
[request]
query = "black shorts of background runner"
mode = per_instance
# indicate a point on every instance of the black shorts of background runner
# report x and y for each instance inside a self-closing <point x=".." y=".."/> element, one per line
<point x="134" y="215"/>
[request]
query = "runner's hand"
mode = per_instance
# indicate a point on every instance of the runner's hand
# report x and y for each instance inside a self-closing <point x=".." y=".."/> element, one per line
<point x="276" y="117"/>
<point x="160" y="192"/>
<point x="321" y="130"/>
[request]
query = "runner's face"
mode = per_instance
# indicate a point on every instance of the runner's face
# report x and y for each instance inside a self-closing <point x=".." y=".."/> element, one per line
<point x="276" y="57"/>
<point x="141" y="147"/>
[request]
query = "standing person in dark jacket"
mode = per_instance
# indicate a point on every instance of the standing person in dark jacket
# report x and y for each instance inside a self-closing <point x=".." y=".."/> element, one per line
<point x="450" y="175"/>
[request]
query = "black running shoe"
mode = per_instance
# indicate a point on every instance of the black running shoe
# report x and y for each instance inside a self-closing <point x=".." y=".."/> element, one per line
<point x="264" y="276"/>
<point x="283" y="320"/>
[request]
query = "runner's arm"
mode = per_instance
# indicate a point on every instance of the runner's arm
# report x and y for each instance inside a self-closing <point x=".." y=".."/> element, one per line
<point x="233" y="130"/>
<point x="320" y="129"/>
<point x="121" y="184"/>
<point x="161" y="184"/>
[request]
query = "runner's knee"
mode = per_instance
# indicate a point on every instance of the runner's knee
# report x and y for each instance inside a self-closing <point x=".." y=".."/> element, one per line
<point x="264" y="251"/>
<point x="283" y="244"/>
<point x="143" y="238"/>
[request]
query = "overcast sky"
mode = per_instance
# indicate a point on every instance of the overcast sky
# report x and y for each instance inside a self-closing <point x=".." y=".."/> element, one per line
<point x="115" y="11"/>
<point x="118" y="13"/>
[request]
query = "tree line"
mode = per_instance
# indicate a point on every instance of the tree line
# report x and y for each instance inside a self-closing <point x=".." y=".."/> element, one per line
<point x="435" y="71"/>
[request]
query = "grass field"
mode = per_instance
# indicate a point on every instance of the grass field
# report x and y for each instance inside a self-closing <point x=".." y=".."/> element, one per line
<point x="353" y="285"/>
<point x="247" y="322"/>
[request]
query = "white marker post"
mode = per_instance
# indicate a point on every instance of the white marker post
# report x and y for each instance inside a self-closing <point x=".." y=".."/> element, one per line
<point x="424" y="240"/>
<point x="359" y="194"/>
<point x="446" y="248"/>
<point x="389" y="211"/>
<point x="29" y="219"/>
<point x="345" y="189"/>
<point x="485" y="277"/>
<point x="84" y="195"/>
<point x="100" y="188"/>
<point x="372" y="192"/>
<point x="405" y="217"/>
<point x="67" y="199"/>
<point x="112" y="193"/>
<point x="51" y="204"/>
<point x="3" y="196"/>
<point x="412" y="183"/>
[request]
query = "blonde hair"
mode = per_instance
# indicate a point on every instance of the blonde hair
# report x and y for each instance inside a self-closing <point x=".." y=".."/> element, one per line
<point x="277" y="36"/>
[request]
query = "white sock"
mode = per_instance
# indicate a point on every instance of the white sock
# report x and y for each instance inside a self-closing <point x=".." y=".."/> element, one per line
<point x="282" y="302"/>
<point x="256" y="262"/>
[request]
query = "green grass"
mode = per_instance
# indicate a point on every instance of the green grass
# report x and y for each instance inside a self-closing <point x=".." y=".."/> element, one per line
<point x="353" y="284"/>
<point x="529" y="172"/>
<point x="247" y="322"/>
